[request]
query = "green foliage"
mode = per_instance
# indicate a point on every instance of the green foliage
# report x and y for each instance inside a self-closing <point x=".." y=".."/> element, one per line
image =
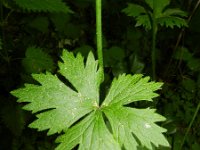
<point x="62" y="107"/>
<point x="15" y="119"/>
<point x="137" y="66"/>
<point x="60" y="21"/>
<point x="168" y="17"/>
<point x="138" y="12"/>
<point x="84" y="50"/>
<point x="113" y="57"/>
<point x="37" y="60"/>
<point x="43" y="6"/>
<point x="192" y="62"/>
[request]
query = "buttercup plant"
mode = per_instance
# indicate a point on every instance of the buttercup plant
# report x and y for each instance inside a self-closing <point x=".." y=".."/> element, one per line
<point x="75" y="110"/>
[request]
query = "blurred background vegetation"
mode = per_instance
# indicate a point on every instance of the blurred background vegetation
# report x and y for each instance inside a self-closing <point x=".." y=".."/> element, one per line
<point x="32" y="36"/>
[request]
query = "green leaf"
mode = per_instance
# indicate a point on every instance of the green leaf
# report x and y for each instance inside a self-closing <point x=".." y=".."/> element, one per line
<point x="134" y="10"/>
<point x="194" y="64"/>
<point x="37" y="61"/>
<point x="75" y="108"/>
<point x="137" y="65"/>
<point x="40" y="23"/>
<point x="91" y="133"/>
<point x="15" y="120"/>
<point x="158" y="6"/>
<point x="168" y="18"/>
<point x="85" y="78"/>
<point x="126" y="122"/>
<point x="175" y="12"/>
<point x="60" y="20"/>
<point x="171" y="21"/>
<point x="84" y="50"/>
<point x="183" y="54"/>
<point x="150" y="3"/>
<point x="144" y="21"/>
<point x="44" y="5"/>
<point x="127" y="89"/>
<point x="113" y="55"/>
<point x="189" y="85"/>
<point x="139" y="13"/>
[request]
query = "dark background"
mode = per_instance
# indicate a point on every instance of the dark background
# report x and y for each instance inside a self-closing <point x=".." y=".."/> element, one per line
<point x="127" y="49"/>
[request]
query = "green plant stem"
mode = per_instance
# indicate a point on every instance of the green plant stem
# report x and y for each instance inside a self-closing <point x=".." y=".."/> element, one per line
<point x="190" y="125"/>
<point x="154" y="33"/>
<point x="99" y="32"/>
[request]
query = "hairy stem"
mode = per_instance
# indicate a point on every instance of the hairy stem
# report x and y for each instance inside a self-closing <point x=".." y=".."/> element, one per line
<point x="99" y="32"/>
<point x="190" y="125"/>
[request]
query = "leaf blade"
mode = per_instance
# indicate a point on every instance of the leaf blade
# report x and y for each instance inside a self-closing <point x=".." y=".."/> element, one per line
<point x="78" y="76"/>
<point x="95" y="135"/>
<point x="127" y="89"/>
<point x="140" y="122"/>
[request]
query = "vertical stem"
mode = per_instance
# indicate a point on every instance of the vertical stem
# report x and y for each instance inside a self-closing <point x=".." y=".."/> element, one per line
<point x="190" y="125"/>
<point x="99" y="32"/>
<point x="154" y="33"/>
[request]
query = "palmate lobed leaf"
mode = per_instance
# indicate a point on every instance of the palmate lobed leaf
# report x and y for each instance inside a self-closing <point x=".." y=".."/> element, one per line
<point x="140" y="123"/>
<point x="172" y="21"/>
<point x="143" y="20"/>
<point x="62" y="106"/>
<point x="169" y="17"/>
<point x="158" y="6"/>
<point x="138" y="12"/>
<point x="134" y="10"/>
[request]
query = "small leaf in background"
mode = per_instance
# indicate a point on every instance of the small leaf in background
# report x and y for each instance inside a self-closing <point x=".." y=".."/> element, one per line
<point x="40" y="23"/>
<point x="114" y="58"/>
<point x="134" y="10"/>
<point x="195" y="146"/>
<point x="43" y="6"/>
<point x="143" y="20"/>
<point x="116" y="53"/>
<point x="165" y="17"/>
<point x="183" y="53"/>
<point x="171" y="21"/>
<point x="189" y="85"/>
<point x="77" y="111"/>
<point x="113" y="55"/>
<point x="137" y="66"/>
<point x="72" y="31"/>
<point x="13" y="117"/>
<point x="60" y="21"/>
<point x="139" y="13"/>
<point x="84" y="50"/>
<point x="159" y="7"/>
<point x="37" y="60"/>
<point x="194" y="64"/>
